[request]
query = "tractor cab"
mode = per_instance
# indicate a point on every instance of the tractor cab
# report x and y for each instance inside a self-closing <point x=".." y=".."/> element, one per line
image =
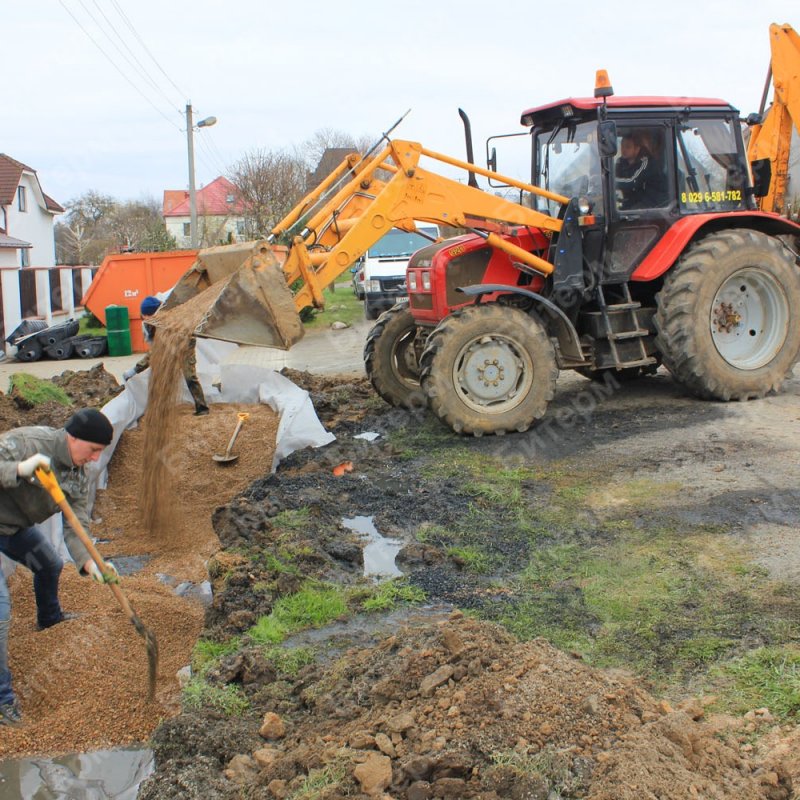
<point x="638" y="164"/>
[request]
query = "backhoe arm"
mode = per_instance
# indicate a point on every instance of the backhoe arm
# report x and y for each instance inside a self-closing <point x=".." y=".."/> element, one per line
<point x="772" y="138"/>
<point x="356" y="217"/>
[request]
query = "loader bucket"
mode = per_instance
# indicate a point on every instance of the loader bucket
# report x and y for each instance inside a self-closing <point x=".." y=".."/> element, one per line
<point x="255" y="306"/>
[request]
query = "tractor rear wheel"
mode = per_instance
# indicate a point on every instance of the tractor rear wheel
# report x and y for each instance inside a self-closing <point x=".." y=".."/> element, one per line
<point x="489" y="369"/>
<point x="728" y="317"/>
<point x="390" y="359"/>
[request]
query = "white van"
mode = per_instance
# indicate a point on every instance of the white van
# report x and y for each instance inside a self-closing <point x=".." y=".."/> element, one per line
<point x="384" y="267"/>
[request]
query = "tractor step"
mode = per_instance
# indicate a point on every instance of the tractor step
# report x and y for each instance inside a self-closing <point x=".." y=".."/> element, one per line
<point x="623" y="306"/>
<point x="628" y="334"/>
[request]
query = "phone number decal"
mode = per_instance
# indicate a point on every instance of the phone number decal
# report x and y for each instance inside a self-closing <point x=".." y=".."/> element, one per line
<point x="730" y="196"/>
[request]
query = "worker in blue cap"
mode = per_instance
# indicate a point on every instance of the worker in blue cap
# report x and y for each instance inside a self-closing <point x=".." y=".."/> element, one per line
<point x="148" y="308"/>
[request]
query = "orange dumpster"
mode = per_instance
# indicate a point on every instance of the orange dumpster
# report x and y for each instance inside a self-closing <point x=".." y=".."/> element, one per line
<point x="126" y="279"/>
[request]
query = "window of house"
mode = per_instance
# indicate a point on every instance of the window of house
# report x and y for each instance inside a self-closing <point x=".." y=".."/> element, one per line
<point x="24" y="257"/>
<point x="187" y="228"/>
<point x="22" y="200"/>
<point x="241" y="227"/>
<point x="229" y="198"/>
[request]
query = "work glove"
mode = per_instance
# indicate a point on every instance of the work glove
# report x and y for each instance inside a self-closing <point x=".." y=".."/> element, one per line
<point x="128" y="374"/>
<point x="27" y="468"/>
<point x="94" y="572"/>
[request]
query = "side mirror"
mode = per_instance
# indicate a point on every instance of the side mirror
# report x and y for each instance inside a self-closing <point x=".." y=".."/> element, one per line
<point x="607" y="138"/>
<point x="762" y="176"/>
<point x="491" y="162"/>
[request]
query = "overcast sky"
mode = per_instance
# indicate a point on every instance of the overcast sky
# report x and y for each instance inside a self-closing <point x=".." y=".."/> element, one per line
<point x="273" y="73"/>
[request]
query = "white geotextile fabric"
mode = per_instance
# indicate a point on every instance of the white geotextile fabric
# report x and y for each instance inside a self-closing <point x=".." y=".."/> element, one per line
<point x="298" y="425"/>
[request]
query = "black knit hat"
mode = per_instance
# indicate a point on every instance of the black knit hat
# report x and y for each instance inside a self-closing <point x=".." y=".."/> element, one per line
<point x="90" y="425"/>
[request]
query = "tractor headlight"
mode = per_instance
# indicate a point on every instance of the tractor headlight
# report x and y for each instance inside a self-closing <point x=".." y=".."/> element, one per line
<point x="412" y="281"/>
<point x="426" y="281"/>
<point x="584" y="206"/>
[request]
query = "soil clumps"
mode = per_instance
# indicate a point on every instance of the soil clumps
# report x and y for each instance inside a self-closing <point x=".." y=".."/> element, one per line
<point x="457" y="709"/>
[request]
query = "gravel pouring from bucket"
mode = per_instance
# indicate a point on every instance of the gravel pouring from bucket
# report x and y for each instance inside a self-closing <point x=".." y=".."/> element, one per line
<point x="226" y="457"/>
<point x="255" y="305"/>
<point x="50" y="483"/>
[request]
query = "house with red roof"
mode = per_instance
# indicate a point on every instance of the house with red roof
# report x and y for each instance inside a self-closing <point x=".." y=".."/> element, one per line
<point x="220" y="214"/>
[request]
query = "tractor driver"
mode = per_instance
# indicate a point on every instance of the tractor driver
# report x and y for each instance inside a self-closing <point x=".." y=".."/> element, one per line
<point x="640" y="180"/>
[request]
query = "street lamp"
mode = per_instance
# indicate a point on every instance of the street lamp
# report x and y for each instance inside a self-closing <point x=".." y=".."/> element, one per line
<point x="190" y="126"/>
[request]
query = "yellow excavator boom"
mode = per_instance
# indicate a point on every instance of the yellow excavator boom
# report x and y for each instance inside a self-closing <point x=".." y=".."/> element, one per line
<point x="266" y="286"/>
<point x="772" y="138"/>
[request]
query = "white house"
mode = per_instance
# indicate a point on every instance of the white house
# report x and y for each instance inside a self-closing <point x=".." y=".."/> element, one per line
<point x="31" y="286"/>
<point x="220" y="212"/>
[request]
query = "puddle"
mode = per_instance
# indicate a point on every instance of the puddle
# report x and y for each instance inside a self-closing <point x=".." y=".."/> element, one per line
<point x="99" y="775"/>
<point x="380" y="552"/>
<point x="128" y="565"/>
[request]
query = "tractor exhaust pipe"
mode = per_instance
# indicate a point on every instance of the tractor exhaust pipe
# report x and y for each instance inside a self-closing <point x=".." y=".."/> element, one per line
<point x="473" y="181"/>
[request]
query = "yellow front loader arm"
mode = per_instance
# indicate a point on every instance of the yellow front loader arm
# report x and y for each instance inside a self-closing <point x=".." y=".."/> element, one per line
<point x="772" y="138"/>
<point x="329" y="229"/>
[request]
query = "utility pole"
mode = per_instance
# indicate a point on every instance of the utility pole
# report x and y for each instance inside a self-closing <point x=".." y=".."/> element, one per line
<point x="204" y="123"/>
<point x="192" y="195"/>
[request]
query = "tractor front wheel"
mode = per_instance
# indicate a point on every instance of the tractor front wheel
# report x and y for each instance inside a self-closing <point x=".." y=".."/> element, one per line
<point x="489" y="369"/>
<point x="728" y="317"/>
<point x="390" y="358"/>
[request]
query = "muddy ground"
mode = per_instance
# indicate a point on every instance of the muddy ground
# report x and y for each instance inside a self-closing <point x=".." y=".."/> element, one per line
<point x="604" y="607"/>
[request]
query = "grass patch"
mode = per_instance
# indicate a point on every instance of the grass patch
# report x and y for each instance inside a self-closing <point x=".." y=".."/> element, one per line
<point x="312" y="607"/>
<point x="37" y="391"/>
<point x="90" y="325"/>
<point x="289" y="661"/>
<point x="388" y="594"/>
<point x="473" y="560"/>
<point x="666" y="603"/>
<point x="228" y="700"/>
<point x="319" y="781"/>
<point x="207" y="653"/>
<point x="293" y="519"/>
<point x="340" y="306"/>
<point x="768" y="677"/>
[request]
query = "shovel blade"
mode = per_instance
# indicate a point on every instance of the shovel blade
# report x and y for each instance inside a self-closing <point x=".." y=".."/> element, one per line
<point x="255" y="305"/>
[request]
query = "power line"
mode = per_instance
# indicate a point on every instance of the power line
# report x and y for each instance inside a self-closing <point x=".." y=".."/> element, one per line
<point x="141" y="67"/>
<point x="116" y="67"/>
<point x="146" y="48"/>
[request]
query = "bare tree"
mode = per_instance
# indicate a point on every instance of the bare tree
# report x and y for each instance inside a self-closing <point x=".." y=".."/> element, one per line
<point x="329" y="139"/>
<point x="97" y="224"/>
<point x="270" y="183"/>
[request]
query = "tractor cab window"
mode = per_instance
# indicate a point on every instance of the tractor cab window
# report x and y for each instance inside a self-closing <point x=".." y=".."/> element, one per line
<point x="640" y="169"/>
<point x="711" y="175"/>
<point x="568" y="163"/>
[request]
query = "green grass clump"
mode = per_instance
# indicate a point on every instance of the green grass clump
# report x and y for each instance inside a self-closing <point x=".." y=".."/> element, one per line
<point x="292" y="519"/>
<point x="319" y="781"/>
<point x="206" y="653"/>
<point x="388" y="594"/>
<point x="312" y="607"/>
<point x="37" y="391"/>
<point x="765" y="678"/>
<point x="289" y="660"/>
<point x="228" y="700"/>
<point x="474" y="560"/>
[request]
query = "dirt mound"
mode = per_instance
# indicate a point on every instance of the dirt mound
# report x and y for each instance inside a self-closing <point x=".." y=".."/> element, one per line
<point x="459" y="709"/>
<point x="91" y="388"/>
<point x="337" y="399"/>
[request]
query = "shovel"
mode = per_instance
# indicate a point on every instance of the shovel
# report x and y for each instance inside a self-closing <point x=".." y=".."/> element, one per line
<point x="50" y="483"/>
<point x="227" y="458"/>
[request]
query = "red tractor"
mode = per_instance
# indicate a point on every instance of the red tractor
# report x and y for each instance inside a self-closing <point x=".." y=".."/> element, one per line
<point x="662" y="257"/>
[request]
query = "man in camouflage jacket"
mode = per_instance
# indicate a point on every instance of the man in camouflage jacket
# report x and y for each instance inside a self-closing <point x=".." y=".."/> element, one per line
<point x="24" y="503"/>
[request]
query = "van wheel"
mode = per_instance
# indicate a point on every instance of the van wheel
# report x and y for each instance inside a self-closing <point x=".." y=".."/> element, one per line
<point x="391" y="361"/>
